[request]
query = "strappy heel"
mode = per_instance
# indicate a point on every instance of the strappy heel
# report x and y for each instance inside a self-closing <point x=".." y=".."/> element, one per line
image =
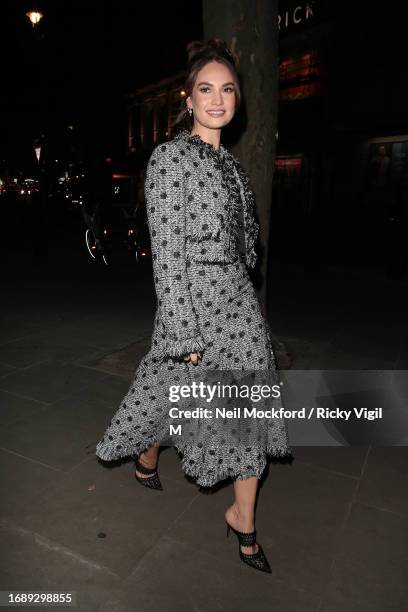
<point x="256" y="560"/>
<point x="153" y="482"/>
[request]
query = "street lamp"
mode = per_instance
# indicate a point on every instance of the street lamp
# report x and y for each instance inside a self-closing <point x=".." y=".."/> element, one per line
<point x="35" y="17"/>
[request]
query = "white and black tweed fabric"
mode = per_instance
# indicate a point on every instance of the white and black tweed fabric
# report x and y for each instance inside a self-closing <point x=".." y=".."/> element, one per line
<point x="203" y="231"/>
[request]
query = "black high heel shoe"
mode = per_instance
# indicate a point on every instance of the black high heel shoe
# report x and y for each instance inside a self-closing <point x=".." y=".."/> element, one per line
<point x="256" y="560"/>
<point x="153" y="482"/>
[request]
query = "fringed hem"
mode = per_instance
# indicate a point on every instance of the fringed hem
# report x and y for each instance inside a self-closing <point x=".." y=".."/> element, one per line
<point x="178" y="348"/>
<point x="107" y="453"/>
<point x="206" y="482"/>
<point x="252" y="226"/>
<point x="201" y="475"/>
<point x="222" y="258"/>
<point x="251" y="259"/>
<point x="209" y="478"/>
<point x="198" y="236"/>
<point x="214" y="257"/>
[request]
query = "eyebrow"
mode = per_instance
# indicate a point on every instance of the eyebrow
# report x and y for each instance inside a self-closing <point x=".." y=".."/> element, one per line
<point x="207" y="83"/>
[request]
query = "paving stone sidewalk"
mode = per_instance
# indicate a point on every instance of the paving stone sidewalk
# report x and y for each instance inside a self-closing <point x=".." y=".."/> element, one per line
<point x="334" y="522"/>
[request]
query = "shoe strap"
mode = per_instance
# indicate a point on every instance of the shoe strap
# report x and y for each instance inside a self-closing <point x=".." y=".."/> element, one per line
<point x="246" y="539"/>
<point x="143" y="469"/>
<point x="258" y="555"/>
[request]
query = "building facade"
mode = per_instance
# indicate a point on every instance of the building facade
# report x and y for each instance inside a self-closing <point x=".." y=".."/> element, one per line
<point x="342" y="150"/>
<point x="152" y="111"/>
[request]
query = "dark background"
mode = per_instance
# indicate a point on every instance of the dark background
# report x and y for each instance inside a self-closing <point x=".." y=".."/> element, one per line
<point x="66" y="83"/>
<point x="80" y="63"/>
<point x="334" y="522"/>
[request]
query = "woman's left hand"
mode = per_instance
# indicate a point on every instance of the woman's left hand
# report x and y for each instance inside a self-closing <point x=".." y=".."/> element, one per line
<point x="193" y="357"/>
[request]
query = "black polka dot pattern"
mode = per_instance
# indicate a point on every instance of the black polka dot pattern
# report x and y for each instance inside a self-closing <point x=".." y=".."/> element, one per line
<point x="209" y="307"/>
<point x="164" y="191"/>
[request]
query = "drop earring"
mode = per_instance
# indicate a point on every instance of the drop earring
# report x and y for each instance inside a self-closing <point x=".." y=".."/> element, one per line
<point x="190" y="111"/>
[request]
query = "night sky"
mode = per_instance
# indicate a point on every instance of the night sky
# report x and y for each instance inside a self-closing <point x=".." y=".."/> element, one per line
<point x="78" y="66"/>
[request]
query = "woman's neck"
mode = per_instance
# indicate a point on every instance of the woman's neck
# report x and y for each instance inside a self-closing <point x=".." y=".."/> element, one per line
<point x="211" y="137"/>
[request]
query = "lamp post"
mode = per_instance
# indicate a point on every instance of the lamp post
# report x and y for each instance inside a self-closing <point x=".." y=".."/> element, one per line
<point x="35" y="17"/>
<point x="39" y="205"/>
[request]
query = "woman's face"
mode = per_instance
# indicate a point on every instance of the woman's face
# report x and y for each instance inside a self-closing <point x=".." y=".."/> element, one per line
<point x="214" y="90"/>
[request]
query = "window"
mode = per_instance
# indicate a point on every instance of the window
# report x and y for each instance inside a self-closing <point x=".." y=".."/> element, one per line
<point x="300" y="77"/>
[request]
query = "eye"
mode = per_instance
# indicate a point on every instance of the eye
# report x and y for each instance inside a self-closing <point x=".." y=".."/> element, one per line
<point x="228" y="89"/>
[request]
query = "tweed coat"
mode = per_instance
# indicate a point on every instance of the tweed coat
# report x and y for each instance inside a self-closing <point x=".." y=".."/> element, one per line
<point x="193" y="209"/>
<point x="200" y="209"/>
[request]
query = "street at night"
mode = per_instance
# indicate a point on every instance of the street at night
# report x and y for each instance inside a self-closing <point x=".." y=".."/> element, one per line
<point x="88" y="93"/>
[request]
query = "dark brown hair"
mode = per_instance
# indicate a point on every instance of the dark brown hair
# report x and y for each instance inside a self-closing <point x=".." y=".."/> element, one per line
<point x="199" y="54"/>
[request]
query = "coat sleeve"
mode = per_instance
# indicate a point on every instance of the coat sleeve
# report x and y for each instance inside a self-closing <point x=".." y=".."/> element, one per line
<point x="165" y="201"/>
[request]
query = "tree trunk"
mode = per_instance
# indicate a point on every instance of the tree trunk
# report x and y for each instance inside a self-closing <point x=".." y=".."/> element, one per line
<point x="250" y="30"/>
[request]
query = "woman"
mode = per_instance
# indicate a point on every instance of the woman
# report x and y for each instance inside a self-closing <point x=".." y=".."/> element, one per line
<point x="201" y="219"/>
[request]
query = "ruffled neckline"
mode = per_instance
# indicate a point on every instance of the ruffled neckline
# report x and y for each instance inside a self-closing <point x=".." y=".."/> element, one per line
<point x="196" y="140"/>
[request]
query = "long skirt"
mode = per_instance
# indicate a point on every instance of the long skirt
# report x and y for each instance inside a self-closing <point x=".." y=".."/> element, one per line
<point x="237" y="347"/>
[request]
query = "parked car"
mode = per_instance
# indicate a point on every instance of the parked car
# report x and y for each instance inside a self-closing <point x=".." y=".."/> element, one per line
<point x="117" y="225"/>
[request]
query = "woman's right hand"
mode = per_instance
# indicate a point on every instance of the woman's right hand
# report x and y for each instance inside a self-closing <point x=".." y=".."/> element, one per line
<point x="193" y="357"/>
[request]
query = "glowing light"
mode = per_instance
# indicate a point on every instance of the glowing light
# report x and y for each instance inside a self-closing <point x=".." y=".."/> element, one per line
<point x="35" y="17"/>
